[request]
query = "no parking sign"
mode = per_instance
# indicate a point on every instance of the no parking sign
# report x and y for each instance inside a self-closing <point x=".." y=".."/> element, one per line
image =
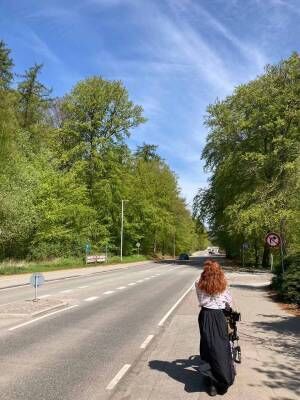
<point x="273" y="239"/>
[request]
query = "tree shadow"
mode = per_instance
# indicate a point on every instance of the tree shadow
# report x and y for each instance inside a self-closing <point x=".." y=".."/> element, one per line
<point x="191" y="372"/>
<point x="281" y="337"/>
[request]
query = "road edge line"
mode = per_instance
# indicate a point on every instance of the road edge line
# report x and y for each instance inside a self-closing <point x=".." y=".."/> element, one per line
<point x="166" y="316"/>
<point x="118" y="377"/>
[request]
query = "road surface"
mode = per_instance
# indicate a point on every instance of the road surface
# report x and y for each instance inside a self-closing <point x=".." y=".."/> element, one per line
<point x="80" y="352"/>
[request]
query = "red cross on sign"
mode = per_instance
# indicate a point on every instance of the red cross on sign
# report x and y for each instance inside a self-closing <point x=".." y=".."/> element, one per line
<point x="273" y="239"/>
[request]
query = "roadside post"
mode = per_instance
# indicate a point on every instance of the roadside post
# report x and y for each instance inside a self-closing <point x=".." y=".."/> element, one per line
<point x="245" y="246"/>
<point x="87" y="251"/>
<point x="274" y="240"/>
<point x="138" y="245"/>
<point x="36" y="280"/>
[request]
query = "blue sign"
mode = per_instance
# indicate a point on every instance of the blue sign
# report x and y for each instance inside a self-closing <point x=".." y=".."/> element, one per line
<point x="37" y="279"/>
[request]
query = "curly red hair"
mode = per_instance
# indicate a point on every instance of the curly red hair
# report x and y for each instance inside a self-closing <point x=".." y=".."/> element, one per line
<point x="212" y="280"/>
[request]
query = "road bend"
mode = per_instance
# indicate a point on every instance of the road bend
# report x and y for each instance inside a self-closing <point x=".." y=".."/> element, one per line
<point x="79" y="353"/>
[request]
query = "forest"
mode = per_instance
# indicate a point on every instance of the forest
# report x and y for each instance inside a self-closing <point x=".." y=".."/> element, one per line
<point x="252" y="154"/>
<point x="66" y="166"/>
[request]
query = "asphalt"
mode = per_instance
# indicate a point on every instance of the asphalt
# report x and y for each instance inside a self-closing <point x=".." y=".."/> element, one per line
<point x="171" y="369"/>
<point x="75" y="353"/>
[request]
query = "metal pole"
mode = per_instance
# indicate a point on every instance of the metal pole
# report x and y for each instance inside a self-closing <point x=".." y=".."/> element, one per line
<point x="35" y="288"/>
<point x="281" y="245"/>
<point x="271" y="261"/>
<point x="174" y="247"/>
<point x="106" y="260"/>
<point x="122" y="216"/>
<point x="281" y="254"/>
<point x="243" y="255"/>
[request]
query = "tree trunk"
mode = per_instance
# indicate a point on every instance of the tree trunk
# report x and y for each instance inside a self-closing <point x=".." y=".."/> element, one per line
<point x="266" y="257"/>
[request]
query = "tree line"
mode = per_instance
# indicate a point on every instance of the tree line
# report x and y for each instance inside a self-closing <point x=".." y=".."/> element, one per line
<point x="252" y="154"/>
<point x="65" y="167"/>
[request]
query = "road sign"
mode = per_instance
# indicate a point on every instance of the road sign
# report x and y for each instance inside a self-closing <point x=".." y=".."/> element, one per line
<point x="273" y="239"/>
<point x="36" y="280"/>
<point x="138" y="245"/>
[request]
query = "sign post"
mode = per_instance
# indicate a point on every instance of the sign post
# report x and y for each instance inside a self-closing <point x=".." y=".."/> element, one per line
<point x="138" y="245"/>
<point x="36" y="280"/>
<point x="274" y="240"/>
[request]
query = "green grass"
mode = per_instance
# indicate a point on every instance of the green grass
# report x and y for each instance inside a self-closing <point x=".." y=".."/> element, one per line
<point x="22" y="267"/>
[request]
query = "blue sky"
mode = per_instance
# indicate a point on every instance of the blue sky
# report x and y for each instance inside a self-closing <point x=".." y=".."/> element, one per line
<point x="174" y="56"/>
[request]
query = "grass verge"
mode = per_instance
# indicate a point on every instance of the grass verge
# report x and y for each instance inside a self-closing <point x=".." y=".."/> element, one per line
<point x="22" y="267"/>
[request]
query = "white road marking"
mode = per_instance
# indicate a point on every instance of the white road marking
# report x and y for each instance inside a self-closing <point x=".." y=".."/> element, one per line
<point x="153" y="276"/>
<point x="162" y="321"/>
<point x="92" y="298"/>
<point x="147" y="341"/>
<point x="158" y="274"/>
<point x="118" y="377"/>
<point x="141" y="280"/>
<point x="147" y="278"/>
<point x="66" y="291"/>
<point x="42" y="317"/>
<point x="44" y="296"/>
<point x="131" y="284"/>
<point x="82" y="287"/>
<point x="109" y="292"/>
<point x="121" y="287"/>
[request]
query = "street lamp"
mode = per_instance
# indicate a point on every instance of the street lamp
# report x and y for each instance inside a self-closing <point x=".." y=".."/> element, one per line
<point x="122" y="228"/>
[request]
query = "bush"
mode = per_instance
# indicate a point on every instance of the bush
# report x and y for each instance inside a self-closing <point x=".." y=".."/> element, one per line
<point x="288" y="284"/>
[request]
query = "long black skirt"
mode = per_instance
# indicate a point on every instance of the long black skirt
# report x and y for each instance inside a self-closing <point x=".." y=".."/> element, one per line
<point x="215" y="346"/>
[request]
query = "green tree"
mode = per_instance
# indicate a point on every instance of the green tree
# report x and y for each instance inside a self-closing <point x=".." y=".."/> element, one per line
<point x="252" y="152"/>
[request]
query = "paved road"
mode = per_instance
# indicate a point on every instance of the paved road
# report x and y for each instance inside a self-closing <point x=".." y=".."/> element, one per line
<point x="74" y="354"/>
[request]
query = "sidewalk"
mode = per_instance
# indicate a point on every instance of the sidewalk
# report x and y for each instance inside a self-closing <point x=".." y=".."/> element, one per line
<point x="270" y="352"/>
<point x="22" y="279"/>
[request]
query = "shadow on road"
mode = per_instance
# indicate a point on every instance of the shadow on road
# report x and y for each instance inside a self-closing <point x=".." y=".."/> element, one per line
<point x="281" y="336"/>
<point x="190" y="372"/>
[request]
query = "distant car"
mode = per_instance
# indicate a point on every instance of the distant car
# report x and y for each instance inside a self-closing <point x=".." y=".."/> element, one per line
<point x="184" y="256"/>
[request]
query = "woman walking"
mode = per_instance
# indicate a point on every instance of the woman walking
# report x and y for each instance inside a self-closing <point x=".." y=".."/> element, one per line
<point x="214" y="297"/>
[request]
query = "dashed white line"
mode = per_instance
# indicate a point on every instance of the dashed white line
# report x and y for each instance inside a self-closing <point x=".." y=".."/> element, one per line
<point x="147" y="341"/>
<point x="147" y="278"/>
<point x="92" y="298"/>
<point x="131" y="284"/>
<point x="44" y="296"/>
<point x="162" y="321"/>
<point x="109" y="292"/>
<point x="82" y="287"/>
<point x="141" y="280"/>
<point x="42" y="317"/>
<point x="121" y="287"/>
<point x="66" y="291"/>
<point x="118" y="377"/>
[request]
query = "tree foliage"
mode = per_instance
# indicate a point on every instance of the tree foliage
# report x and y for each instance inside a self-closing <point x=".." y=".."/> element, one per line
<point x="252" y="152"/>
<point x="66" y="167"/>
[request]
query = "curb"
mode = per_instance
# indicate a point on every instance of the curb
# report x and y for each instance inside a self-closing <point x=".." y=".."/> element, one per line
<point x="73" y="276"/>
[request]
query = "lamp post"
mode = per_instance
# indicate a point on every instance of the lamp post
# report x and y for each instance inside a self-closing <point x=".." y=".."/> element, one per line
<point x="122" y="228"/>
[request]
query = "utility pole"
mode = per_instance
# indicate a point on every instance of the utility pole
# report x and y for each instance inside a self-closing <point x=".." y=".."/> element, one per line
<point x="174" y="247"/>
<point x="122" y="228"/>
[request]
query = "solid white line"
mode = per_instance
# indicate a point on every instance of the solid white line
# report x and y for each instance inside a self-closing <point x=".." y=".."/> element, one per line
<point x="42" y="317"/>
<point x="66" y="291"/>
<point x="118" y="377"/>
<point x="91" y="298"/>
<point x="82" y="287"/>
<point x="109" y="292"/>
<point x="162" y="321"/>
<point x="44" y="296"/>
<point x="147" y="341"/>
<point x="131" y="284"/>
<point x="121" y="287"/>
